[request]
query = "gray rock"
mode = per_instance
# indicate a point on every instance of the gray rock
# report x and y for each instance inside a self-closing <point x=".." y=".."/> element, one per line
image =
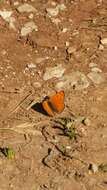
<point x="26" y="8"/>
<point x="76" y="79"/>
<point x="52" y="72"/>
<point x="96" y="77"/>
<point x="28" y="28"/>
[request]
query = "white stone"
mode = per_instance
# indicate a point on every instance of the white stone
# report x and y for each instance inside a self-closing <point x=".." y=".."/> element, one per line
<point x="68" y="147"/>
<point x="6" y="14"/>
<point x="67" y="44"/>
<point x="28" y="27"/>
<point x="96" y="69"/>
<point x="96" y="77"/>
<point x="31" y="16"/>
<point x="93" y="168"/>
<point x="31" y="66"/>
<point x="76" y="79"/>
<point x="52" y="72"/>
<point x="104" y="41"/>
<point x="26" y="8"/>
<point x="64" y="30"/>
<point x="55" y="48"/>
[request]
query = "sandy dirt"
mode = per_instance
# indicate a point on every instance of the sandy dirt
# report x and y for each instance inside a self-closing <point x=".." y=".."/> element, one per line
<point x="46" y="159"/>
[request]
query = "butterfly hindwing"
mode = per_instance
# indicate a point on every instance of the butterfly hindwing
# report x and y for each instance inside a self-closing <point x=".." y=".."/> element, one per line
<point x="47" y="108"/>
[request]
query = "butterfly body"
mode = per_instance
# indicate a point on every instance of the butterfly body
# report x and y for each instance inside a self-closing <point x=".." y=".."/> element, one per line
<point x="54" y="104"/>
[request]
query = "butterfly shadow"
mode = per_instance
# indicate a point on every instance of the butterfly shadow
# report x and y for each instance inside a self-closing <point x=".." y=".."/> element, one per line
<point x="38" y="107"/>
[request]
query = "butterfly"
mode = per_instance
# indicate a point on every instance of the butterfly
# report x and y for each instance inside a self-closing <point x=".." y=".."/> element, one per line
<point x="54" y="104"/>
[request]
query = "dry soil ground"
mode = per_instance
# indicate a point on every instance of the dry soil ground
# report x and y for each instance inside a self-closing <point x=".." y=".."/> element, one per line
<point x="71" y="37"/>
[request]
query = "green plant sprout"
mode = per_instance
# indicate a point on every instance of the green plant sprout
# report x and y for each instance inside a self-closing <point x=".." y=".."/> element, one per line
<point x="8" y="152"/>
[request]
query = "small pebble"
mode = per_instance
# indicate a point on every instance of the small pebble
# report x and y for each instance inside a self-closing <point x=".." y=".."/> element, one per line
<point x="64" y="30"/>
<point x="52" y="12"/>
<point x="31" y="66"/>
<point x="68" y="147"/>
<point x="104" y="41"/>
<point x="87" y="122"/>
<point x="16" y="3"/>
<point x="93" y="167"/>
<point x="31" y="16"/>
<point x="56" y="48"/>
<point x="71" y="50"/>
<point x="101" y="47"/>
<point x="67" y="43"/>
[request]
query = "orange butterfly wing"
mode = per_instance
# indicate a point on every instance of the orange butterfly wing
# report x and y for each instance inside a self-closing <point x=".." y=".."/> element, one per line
<point x="57" y="101"/>
<point x="47" y="108"/>
<point x="54" y="104"/>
